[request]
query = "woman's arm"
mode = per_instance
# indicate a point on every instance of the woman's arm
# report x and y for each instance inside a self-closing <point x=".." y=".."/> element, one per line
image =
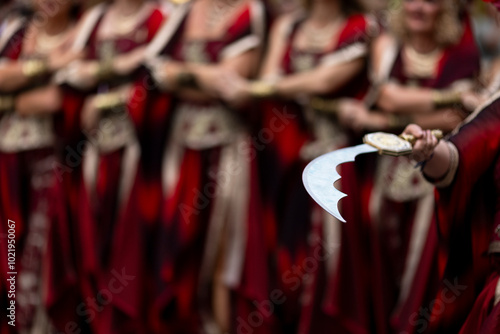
<point x="476" y="147"/>
<point x="320" y="80"/>
<point x="445" y="119"/>
<point x="276" y="48"/>
<point x="356" y="116"/>
<point x="44" y="100"/>
<point x="203" y="81"/>
<point x="12" y="76"/>
<point x="395" y="98"/>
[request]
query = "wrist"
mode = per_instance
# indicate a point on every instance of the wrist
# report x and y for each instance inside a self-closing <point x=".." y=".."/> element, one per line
<point x="104" y="70"/>
<point x="423" y="163"/>
<point x="34" y="68"/>
<point x="109" y="101"/>
<point x="446" y="99"/>
<point x="186" y="79"/>
<point x="331" y="106"/>
<point x="7" y="103"/>
<point x="262" y="89"/>
<point x="398" y="122"/>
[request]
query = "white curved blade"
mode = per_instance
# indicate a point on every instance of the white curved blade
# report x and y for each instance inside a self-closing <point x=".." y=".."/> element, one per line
<point x="320" y="175"/>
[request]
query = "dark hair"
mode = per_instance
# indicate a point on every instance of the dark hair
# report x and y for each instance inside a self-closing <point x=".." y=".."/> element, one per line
<point x="21" y="9"/>
<point x="28" y="12"/>
<point x="350" y="7"/>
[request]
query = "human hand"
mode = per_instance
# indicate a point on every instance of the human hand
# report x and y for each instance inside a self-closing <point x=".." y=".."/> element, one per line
<point x="425" y="143"/>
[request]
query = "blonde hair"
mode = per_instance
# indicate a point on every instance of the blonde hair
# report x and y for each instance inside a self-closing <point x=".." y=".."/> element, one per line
<point x="448" y="30"/>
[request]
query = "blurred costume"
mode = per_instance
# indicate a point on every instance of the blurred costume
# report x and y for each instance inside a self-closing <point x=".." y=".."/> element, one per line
<point x="31" y="196"/>
<point x="212" y="228"/>
<point x="300" y="229"/>
<point x="109" y="230"/>
<point x="405" y="238"/>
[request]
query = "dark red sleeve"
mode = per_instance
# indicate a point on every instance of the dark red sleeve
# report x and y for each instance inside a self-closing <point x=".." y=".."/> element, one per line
<point x="465" y="209"/>
<point x="71" y="106"/>
<point x="478" y="144"/>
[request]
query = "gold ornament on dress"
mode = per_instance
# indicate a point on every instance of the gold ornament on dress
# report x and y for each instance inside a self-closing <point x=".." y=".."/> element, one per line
<point x="45" y="43"/>
<point x="420" y="65"/>
<point x="318" y="38"/>
<point x="262" y="89"/>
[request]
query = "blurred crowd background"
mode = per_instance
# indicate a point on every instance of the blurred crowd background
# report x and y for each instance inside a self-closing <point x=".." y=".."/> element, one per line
<point x="151" y="155"/>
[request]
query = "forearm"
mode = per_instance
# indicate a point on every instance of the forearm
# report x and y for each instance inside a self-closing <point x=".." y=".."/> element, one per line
<point x="45" y="100"/>
<point x="83" y="74"/>
<point x="439" y="164"/>
<point x="398" y="99"/>
<point x="445" y="119"/>
<point x="12" y="77"/>
<point x="318" y="81"/>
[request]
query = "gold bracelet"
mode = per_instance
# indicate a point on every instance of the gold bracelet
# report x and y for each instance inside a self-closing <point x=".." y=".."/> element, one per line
<point x="105" y="70"/>
<point x="107" y="101"/>
<point x="445" y="99"/>
<point x="262" y="89"/>
<point x="34" y="68"/>
<point x="324" y="105"/>
<point x="398" y="121"/>
<point x="7" y="103"/>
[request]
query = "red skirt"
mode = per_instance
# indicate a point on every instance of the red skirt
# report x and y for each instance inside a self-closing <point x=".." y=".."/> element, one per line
<point x="215" y="201"/>
<point x="32" y="197"/>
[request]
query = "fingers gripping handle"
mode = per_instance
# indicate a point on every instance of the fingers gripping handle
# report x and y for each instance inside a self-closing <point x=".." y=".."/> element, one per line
<point x="390" y="144"/>
<point x="411" y="139"/>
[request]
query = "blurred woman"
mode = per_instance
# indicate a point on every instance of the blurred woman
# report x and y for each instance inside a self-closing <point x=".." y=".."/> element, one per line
<point x="213" y="260"/>
<point x="32" y="49"/>
<point x="420" y="72"/>
<point x="109" y="229"/>
<point x="318" y="52"/>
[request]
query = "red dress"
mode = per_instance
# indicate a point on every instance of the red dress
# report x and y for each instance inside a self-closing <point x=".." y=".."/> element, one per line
<point x="298" y="230"/>
<point x="30" y="194"/>
<point x="211" y="214"/>
<point x="467" y="215"/>
<point x="404" y="238"/>
<point x="108" y="229"/>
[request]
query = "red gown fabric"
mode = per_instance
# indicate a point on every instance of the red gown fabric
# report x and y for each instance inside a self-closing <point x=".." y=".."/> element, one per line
<point x="32" y="195"/>
<point x="108" y="230"/>
<point x="399" y="220"/>
<point x="468" y="211"/>
<point x="198" y="196"/>
<point x="484" y="317"/>
<point x="294" y="223"/>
